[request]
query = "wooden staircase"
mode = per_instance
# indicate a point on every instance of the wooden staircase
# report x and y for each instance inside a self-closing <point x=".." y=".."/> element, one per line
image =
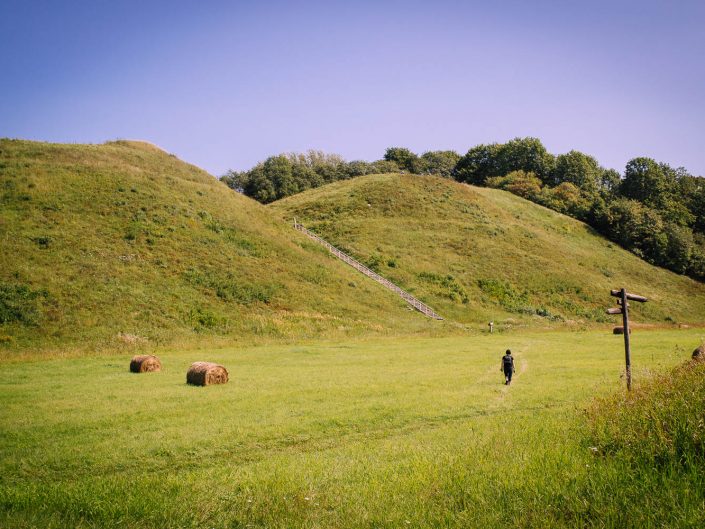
<point x="357" y="265"/>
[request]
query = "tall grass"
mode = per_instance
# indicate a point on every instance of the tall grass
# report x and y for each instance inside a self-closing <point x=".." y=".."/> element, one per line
<point x="649" y="449"/>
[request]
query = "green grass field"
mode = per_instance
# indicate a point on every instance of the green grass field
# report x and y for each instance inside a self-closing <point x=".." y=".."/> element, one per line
<point x="346" y="409"/>
<point x="414" y="432"/>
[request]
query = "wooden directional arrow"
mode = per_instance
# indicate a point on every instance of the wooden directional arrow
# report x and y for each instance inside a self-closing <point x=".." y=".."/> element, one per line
<point x="633" y="297"/>
<point x="616" y="310"/>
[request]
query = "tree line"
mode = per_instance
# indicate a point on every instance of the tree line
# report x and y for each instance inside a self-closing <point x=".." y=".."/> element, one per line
<point x="287" y="174"/>
<point x="652" y="209"/>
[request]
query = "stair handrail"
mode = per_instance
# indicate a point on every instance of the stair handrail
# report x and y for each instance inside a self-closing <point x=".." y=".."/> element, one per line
<point x="410" y="299"/>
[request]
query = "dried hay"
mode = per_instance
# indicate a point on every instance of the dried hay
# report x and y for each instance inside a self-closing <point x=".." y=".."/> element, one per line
<point x="130" y="339"/>
<point x="699" y="353"/>
<point x="206" y="374"/>
<point x="145" y="363"/>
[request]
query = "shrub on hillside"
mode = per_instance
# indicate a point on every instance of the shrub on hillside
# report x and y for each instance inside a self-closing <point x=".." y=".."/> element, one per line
<point x="447" y="285"/>
<point x="231" y="288"/>
<point x="523" y="184"/>
<point x="569" y="199"/>
<point x="20" y="304"/>
<point x="578" y="169"/>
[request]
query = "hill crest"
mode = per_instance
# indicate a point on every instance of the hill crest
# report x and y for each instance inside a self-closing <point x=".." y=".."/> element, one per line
<point x="479" y="254"/>
<point x="122" y="245"/>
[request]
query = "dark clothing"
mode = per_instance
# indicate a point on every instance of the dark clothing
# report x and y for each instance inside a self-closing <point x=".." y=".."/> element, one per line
<point x="507" y="377"/>
<point x="508" y="364"/>
<point x="508" y="368"/>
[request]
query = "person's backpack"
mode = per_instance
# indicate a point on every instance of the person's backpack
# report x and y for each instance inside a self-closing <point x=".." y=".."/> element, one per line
<point x="507" y="362"/>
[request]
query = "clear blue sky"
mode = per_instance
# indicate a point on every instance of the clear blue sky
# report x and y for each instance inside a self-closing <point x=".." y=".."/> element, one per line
<point x="226" y="84"/>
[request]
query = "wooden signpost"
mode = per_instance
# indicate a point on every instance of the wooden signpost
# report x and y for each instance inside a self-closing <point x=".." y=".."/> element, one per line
<point x="622" y="300"/>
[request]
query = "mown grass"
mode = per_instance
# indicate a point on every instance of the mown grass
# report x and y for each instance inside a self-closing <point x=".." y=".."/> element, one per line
<point x="104" y="241"/>
<point x="478" y="254"/>
<point x="414" y="432"/>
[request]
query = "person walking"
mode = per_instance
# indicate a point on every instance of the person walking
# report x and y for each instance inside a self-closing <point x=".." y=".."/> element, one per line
<point x="507" y="367"/>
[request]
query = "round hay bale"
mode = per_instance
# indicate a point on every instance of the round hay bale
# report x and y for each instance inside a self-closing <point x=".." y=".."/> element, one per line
<point x="206" y="374"/>
<point x="619" y="330"/>
<point x="145" y="363"/>
<point x="699" y="353"/>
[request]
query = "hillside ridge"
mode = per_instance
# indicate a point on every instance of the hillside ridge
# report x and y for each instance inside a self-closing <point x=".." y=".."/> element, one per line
<point x="123" y="246"/>
<point x="480" y="254"/>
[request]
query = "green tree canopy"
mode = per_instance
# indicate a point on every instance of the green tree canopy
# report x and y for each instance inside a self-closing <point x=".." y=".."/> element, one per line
<point x="403" y="157"/>
<point x="568" y="198"/>
<point x="287" y="174"/>
<point x="658" y="186"/>
<point x="579" y="169"/>
<point x="647" y="181"/>
<point x="480" y="163"/>
<point x="439" y="162"/>
<point x="610" y="180"/>
<point x="638" y="228"/>
<point x="528" y="155"/>
<point x="520" y="154"/>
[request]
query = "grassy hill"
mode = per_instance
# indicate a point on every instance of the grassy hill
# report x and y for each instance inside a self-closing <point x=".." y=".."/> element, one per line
<point x="479" y="254"/>
<point x="123" y="245"/>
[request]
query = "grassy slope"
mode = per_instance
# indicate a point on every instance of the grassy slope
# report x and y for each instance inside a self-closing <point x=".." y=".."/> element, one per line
<point x="124" y="238"/>
<point x="384" y="433"/>
<point x="508" y="258"/>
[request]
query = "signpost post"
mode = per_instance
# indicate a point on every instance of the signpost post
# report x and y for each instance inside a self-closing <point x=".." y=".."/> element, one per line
<point x="622" y="299"/>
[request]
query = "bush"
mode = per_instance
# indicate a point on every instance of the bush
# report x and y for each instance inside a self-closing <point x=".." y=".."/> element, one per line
<point x="578" y="169"/>
<point x="230" y="288"/>
<point x="203" y="319"/>
<point x="522" y="184"/>
<point x="449" y="286"/>
<point x="504" y="293"/>
<point x="404" y="158"/>
<point x="567" y="198"/>
<point x="44" y="241"/>
<point x="21" y="304"/>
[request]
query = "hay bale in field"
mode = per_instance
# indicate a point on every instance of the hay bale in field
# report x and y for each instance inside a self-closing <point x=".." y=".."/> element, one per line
<point x="699" y="353"/>
<point x="145" y="363"/>
<point x="619" y="330"/>
<point x="206" y="374"/>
